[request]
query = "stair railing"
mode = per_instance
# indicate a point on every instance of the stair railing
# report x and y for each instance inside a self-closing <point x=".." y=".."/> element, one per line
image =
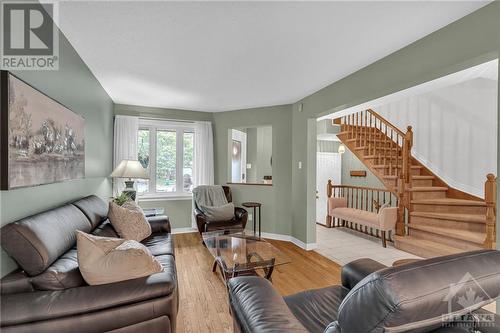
<point x="388" y="146"/>
<point x="490" y="197"/>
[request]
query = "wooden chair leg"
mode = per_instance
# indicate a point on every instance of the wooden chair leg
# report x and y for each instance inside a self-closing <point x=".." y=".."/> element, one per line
<point x="384" y="242"/>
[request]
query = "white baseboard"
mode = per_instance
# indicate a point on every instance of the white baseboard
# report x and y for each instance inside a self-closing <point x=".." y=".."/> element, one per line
<point x="183" y="230"/>
<point x="287" y="238"/>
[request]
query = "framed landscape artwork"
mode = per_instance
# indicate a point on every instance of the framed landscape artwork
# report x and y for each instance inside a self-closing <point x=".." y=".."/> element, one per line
<point x="41" y="140"/>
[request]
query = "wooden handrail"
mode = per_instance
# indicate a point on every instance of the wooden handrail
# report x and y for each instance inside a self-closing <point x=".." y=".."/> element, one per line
<point x="490" y="196"/>
<point x="386" y="122"/>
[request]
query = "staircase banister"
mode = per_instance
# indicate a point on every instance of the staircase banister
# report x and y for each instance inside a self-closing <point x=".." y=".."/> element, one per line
<point x="386" y="122"/>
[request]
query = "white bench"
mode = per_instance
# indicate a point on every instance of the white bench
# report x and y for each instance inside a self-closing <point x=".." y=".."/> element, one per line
<point x="384" y="220"/>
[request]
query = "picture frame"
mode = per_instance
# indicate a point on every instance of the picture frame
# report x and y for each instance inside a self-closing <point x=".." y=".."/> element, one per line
<point x="41" y="140"/>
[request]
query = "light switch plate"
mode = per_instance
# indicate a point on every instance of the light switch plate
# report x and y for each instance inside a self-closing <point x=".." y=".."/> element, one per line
<point x="300" y="164"/>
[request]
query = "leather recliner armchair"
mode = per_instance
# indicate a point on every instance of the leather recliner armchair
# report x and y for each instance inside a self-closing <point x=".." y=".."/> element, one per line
<point x="439" y="295"/>
<point x="238" y="221"/>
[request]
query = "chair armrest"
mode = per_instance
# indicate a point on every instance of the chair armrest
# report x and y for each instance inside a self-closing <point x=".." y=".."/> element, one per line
<point x="159" y="223"/>
<point x="240" y="213"/>
<point x="257" y="307"/>
<point x="357" y="270"/>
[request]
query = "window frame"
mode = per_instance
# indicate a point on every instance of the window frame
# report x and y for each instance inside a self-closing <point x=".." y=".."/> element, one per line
<point x="179" y="128"/>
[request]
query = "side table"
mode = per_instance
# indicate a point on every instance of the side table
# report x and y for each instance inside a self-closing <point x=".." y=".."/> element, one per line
<point x="254" y="205"/>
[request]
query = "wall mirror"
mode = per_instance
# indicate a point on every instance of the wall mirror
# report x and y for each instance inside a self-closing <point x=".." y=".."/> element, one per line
<point x="251" y="155"/>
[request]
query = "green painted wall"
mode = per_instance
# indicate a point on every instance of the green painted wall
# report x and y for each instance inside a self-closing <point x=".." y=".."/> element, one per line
<point x="178" y="211"/>
<point x="351" y="162"/>
<point x="469" y="41"/>
<point x="74" y="86"/>
<point x="276" y="212"/>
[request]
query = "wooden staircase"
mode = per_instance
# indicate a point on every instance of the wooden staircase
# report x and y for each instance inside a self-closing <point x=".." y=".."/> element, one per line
<point x="434" y="219"/>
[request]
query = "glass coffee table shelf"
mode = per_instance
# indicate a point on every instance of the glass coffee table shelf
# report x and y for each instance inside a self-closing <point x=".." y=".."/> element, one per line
<point x="240" y="252"/>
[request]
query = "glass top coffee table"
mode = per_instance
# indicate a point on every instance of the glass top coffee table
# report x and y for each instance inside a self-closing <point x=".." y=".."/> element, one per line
<point x="239" y="252"/>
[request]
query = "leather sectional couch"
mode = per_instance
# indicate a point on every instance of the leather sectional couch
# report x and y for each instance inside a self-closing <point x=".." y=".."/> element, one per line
<point x="49" y="293"/>
<point x="417" y="298"/>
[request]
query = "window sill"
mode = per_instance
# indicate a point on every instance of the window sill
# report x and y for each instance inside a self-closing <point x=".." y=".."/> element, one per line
<point x="163" y="197"/>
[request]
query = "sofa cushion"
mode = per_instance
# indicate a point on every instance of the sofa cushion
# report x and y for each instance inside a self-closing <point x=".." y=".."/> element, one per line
<point x="105" y="229"/>
<point x="317" y="308"/>
<point x="159" y="244"/>
<point x="94" y="208"/>
<point x="62" y="274"/>
<point x="35" y="242"/>
<point x="398" y="298"/>
<point x="44" y="305"/>
<point x="105" y="260"/>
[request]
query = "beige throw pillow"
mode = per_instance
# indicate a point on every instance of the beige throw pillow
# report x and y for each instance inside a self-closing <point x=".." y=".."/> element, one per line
<point x="129" y="221"/>
<point x="106" y="260"/>
<point x="221" y="213"/>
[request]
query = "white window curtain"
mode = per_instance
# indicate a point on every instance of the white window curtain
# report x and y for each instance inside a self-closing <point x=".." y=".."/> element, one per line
<point x="203" y="154"/>
<point x="203" y="157"/>
<point x="125" y="145"/>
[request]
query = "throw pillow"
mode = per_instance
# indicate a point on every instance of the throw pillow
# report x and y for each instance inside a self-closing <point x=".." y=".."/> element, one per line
<point x="221" y="213"/>
<point x="106" y="260"/>
<point x="129" y="221"/>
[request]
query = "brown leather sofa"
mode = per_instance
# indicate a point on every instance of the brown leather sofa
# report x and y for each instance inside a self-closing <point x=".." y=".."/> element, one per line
<point x="417" y="297"/>
<point x="48" y="293"/>
<point x="238" y="221"/>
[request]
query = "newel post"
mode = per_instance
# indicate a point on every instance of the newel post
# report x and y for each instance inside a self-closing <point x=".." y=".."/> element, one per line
<point x="404" y="183"/>
<point x="329" y="188"/>
<point x="490" y="197"/>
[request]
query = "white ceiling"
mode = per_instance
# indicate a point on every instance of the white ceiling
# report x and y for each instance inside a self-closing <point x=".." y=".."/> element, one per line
<point x="219" y="56"/>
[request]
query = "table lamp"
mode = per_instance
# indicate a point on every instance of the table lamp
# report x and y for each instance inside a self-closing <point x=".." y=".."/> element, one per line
<point x="130" y="169"/>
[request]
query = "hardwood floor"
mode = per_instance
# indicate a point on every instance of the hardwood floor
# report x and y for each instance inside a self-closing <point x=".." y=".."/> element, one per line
<point x="203" y="298"/>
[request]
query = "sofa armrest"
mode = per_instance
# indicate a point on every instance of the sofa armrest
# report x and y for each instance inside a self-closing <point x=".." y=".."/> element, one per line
<point x="159" y="223"/>
<point x="257" y="307"/>
<point x="357" y="270"/>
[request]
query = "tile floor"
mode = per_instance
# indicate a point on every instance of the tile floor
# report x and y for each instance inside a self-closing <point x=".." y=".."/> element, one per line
<point x="343" y="245"/>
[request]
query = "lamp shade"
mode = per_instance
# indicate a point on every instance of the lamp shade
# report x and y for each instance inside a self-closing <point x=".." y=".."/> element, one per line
<point x="129" y="169"/>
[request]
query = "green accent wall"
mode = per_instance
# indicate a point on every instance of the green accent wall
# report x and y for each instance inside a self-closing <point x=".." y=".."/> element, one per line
<point x="276" y="212"/>
<point x="76" y="87"/>
<point x="464" y="43"/>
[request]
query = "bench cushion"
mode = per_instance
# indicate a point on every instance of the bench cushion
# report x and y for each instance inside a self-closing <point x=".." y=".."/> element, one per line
<point x="356" y="216"/>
